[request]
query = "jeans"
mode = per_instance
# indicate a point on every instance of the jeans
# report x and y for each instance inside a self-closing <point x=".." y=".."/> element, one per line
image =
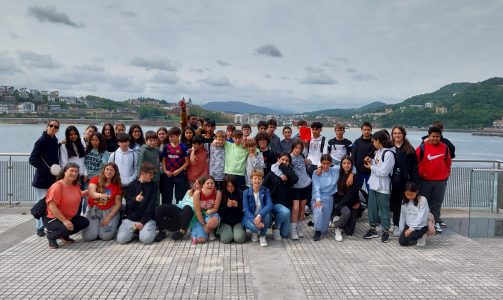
<point x="282" y="219"/>
<point x="322" y="215"/>
<point x="266" y="220"/>
<point x="198" y="229"/>
<point x="125" y="234"/>
<point x="347" y="220"/>
<point x="57" y="230"/>
<point x="378" y="207"/>
<point x="39" y="194"/>
<point x="434" y="192"/>
<point x="364" y="177"/>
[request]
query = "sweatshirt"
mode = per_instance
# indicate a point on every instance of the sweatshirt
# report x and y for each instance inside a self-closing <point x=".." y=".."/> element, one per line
<point x="325" y="185"/>
<point x="65" y="160"/>
<point x="217" y="162"/>
<point x="416" y="217"/>
<point x="231" y="215"/>
<point x="141" y="211"/>
<point x="299" y="168"/>
<point x="361" y="149"/>
<point x="434" y="166"/>
<point x="253" y="162"/>
<point x="235" y="159"/>
<point x="94" y="161"/>
<point x="151" y="155"/>
<point x="380" y="170"/>
<point x="127" y="162"/>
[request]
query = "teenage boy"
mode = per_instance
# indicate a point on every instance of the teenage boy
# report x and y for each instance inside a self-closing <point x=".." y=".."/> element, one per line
<point x="262" y="126"/>
<point x="175" y="160"/>
<point x="274" y="143"/>
<point x="285" y="145"/>
<point x="362" y="147"/>
<point x="255" y="160"/>
<point x="452" y="148"/>
<point x="150" y="153"/>
<point x="269" y="157"/>
<point x="198" y="160"/>
<point x="235" y="158"/>
<point x="140" y="208"/>
<point x="217" y="159"/>
<point x="434" y="169"/>
<point x="246" y="128"/>
<point x="191" y="120"/>
<point x="316" y="147"/>
<point x="339" y="146"/>
<point x="230" y="129"/>
<point x="125" y="159"/>
<point x="300" y="124"/>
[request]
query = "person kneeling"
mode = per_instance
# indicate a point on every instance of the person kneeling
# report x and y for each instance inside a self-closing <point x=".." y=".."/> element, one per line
<point x="140" y="208"/>
<point x="413" y="217"/>
<point x="206" y="203"/>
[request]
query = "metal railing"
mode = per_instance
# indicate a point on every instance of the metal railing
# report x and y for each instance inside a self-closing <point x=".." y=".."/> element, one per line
<point x="16" y="175"/>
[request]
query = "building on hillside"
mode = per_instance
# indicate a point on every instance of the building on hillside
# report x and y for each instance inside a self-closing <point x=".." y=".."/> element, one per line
<point x="144" y="102"/>
<point x="428" y="105"/>
<point x="241" y="118"/>
<point x="416" y="106"/>
<point x="35" y="92"/>
<point x="44" y="93"/>
<point x="441" y="110"/>
<point x="7" y="90"/>
<point x="53" y="96"/>
<point x="388" y="110"/>
<point x="23" y="93"/>
<point x="26" y="107"/>
<point x="498" y="123"/>
<point x="54" y="108"/>
<point x="43" y="108"/>
<point x="68" y="100"/>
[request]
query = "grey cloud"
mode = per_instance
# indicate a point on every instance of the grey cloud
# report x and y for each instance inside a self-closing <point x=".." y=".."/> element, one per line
<point x="35" y="60"/>
<point x="154" y="64"/>
<point x="14" y="36"/>
<point x="364" y="77"/>
<point x="269" y="50"/>
<point x="317" y="75"/>
<point x="123" y="12"/>
<point x="197" y="70"/>
<point x="350" y="70"/>
<point x="49" y="14"/>
<point x="216" y="80"/>
<point x="331" y="65"/>
<point x="165" y="78"/>
<point x="8" y="66"/>
<point x="267" y="76"/>
<point x="90" y="68"/>
<point x="342" y="60"/>
<point x="223" y="63"/>
<point x="312" y="69"/>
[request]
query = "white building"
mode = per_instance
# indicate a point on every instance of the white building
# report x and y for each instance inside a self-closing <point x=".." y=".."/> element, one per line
<point x="69" y="100"/>
<point x="53" y="96"/>
<point x="428" y="105"/>
<point x="26" y="107"/>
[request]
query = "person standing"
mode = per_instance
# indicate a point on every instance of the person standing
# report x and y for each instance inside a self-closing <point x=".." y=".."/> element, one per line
<point x="362" y="147"/>
<point x="43" y="156"/>
<point x="434" y="170"/>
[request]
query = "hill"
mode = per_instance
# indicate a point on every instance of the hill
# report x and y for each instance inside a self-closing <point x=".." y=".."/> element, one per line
<point x="468" y="105"/>
<point x="239" y="107"/>
<point x="376" y="105"/>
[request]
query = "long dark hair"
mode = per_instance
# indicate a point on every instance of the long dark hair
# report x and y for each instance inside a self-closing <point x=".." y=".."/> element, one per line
<point x="132" y="141"/>
<point x="343" y="177"/>
<point x="184" y="140"/>
<point x="102" y="146"/>
<point x="234" y="181"/>
<point x="112" y="130"/>
<point x="410" y="186"/>
<point x="69" y="144"/>
<point x="406" y="146"/>
<point x="383" y="137"/>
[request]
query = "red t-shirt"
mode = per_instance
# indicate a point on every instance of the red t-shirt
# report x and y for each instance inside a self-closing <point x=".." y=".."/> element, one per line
<point x="208" y="202"/>
<point x="112" y="189"/>
<point x="66" y="197"/>
<point x="200" y="168"/>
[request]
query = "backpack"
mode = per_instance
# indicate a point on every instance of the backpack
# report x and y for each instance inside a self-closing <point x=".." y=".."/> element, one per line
<point x="322" y="145"/>
<point x="346" y="144"/>
<point x="421" y="152"/>
<point x="396" y="175"/>
<point x="39" y="210"/>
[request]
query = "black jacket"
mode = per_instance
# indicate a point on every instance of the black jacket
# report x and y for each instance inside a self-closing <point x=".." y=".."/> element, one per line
<point x="112" y="144"/>
<point x="144" y="210"/>
<point x="361" y="149"/>
<point x="231" y="215"/>
<point x="281" y="191"/>
<point x="348" y="197"/>
<point x="408" y="166"/>
<point x="46" y="149"/>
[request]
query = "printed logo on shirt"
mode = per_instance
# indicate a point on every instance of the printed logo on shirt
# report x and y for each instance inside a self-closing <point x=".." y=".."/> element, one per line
<point x="432" y="157"/>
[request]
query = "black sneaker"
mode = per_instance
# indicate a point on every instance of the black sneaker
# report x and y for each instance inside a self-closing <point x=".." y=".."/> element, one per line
<point x="53" y="244"/>
<point x="385" y="237"/>
<point x="317" y="236"/>
<point x="310" y="223"/>
<point x="177" y="236"/>
<point x="41" y="232"/>
<point x="372" y="233"/>
<point x="160" y="236"/>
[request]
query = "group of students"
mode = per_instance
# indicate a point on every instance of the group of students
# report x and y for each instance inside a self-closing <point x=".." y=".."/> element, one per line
<point x="225" y="183"/>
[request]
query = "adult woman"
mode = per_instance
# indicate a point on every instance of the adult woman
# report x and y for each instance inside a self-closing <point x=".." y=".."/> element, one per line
<point x="136" y="139"/>
<point x="347" y="200"/>
<point x="324" y="187"/>
<point x="111" y="140"/>
<point x="63" y="202"/>
<point x="300" y="190"/>
<point x="406" y="166"/>
<point x="104" y="203"/>
<point x="45" y="153"/>
<point x="231" y="212"/>
<point x="206" y="203"/>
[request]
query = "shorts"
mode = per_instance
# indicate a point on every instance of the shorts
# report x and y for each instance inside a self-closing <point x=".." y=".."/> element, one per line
<point x="302" y="194"/>
<point x="198" y="230"/>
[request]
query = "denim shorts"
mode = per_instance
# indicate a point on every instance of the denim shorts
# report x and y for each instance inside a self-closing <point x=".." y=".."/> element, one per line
<point x="198" y="230"/>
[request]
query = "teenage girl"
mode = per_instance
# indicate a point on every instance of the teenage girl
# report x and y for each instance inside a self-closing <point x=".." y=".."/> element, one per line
<point x="73" y="151"/>
<point x="187" y="135"/>
<point x="231" y="212"/>
<point x="206" y="203"/>
<point x="413" y="216"/>
<point x="111" y="140"/>
<point x="300" y="190"/>
<point x="136" y="139"/>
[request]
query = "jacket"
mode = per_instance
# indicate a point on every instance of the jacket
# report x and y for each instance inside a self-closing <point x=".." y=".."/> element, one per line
<point x="231" y="215"/>
<point x="349" y="197"/>
<point x="381" y="169"/>
<point x="407" y="164"/>
<point x="46" y="149"/>
<point x="151" y="155"/>
<point x="127" y="162"/>
<point x="249" y="202"/>
<point x="281" y="191"/>
<point x="361" y="149"/>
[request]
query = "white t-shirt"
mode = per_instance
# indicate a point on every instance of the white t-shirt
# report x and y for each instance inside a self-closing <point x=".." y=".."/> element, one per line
<point x="315" y="151"/>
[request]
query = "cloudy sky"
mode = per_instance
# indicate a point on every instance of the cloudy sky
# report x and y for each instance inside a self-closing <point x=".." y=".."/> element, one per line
<point x="293" y="55"/>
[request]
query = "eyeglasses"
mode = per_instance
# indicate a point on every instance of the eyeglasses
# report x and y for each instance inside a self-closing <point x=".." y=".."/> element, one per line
<point x="55" y="126"/>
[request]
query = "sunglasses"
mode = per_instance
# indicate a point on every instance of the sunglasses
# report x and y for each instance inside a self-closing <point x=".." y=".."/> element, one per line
<point x="55" y="126"/>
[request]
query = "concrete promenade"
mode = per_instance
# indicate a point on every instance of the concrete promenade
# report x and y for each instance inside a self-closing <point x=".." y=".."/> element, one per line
<point x="448" y="267"/>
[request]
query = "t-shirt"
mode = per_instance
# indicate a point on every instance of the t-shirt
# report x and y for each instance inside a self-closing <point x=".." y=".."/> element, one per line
<point x="112" y="190"/>
<point x="175" y="156"/>
<point x="67" y="199"/>
<point x="207" y="202"/>
<point x="200" y="167"/>
<point x="95" y="161"/>
<point x="235" y="159"/>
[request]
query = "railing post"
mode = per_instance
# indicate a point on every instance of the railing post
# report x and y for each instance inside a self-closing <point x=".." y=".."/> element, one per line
<point x="10" y="169"/>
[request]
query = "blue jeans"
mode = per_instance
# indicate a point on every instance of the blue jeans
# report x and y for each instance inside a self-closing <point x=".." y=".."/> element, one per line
<point x="39" y="194"/>
<point x="198" y="229"/>
<point x="364" y="177"/>
<point x="282" y="221"/>
<point x="248" y="224"/>
<point x="322" y="215"/>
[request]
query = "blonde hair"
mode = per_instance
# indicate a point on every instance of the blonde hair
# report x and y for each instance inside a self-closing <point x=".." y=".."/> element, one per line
<point x="257" y="172"/>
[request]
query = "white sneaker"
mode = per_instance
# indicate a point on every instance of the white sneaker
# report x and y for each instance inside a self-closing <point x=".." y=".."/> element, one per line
<point x="211" y="236"/>
<point x="396" y="231"/>
<point x="276" y="235"/>
<point x="338" y="234"/>
<point x="263" y="242"/>
<point x="254" y="237"/>
<point x="330" y="224"/>
<point x="293" y="234"/>
<point x="336" y="218"/>
<point x="422" y="241"/>
<point x="300" y="229"/>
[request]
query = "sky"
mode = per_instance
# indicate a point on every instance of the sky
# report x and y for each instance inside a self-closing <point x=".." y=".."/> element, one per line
<point x="291" y="55"/>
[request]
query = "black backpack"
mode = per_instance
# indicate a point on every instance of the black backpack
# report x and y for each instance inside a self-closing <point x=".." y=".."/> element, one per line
<point x="396" y="175"/>
<point x="39" y="210"/>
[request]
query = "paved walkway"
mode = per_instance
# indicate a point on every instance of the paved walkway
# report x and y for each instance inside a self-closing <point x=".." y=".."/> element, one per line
<point x="449" y="267"/>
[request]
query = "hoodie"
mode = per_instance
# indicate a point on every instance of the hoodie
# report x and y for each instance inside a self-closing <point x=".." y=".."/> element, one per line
<point x="151" y="155"/>
<point x="127" y="162"/>
<point x="381" y="169"/>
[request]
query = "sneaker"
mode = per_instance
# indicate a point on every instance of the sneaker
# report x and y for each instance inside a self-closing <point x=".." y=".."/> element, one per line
<point x="41" y="232"/>
<point x="254" y="237"/>
<point x="263" y="242"/>
<point x="335" y="219"/>
<point x="317" y="236"/>
<point x="160" y="236"/>
<point x="177" y="236"/>
<point x="300" y="229"/>
<point x="310" y="223"/>
<point x="442" y="224"/>
<point x="338" y="234"/>
<point x="396" y="231"/>
<point x="330" y="224"/>
<point x="53" y="244"/>
<point x="276" y="235"/>
<point x="385" y="237"/>
<point x="293" y="234"/>
<point x="438" y="228"/>
<point x="422" y="241"/>
<point x="372" y="233"/>
<point x="211" y="236"/>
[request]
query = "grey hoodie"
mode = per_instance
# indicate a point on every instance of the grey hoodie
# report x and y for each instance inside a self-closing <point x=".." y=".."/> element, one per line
<point x="127" y="162"/>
